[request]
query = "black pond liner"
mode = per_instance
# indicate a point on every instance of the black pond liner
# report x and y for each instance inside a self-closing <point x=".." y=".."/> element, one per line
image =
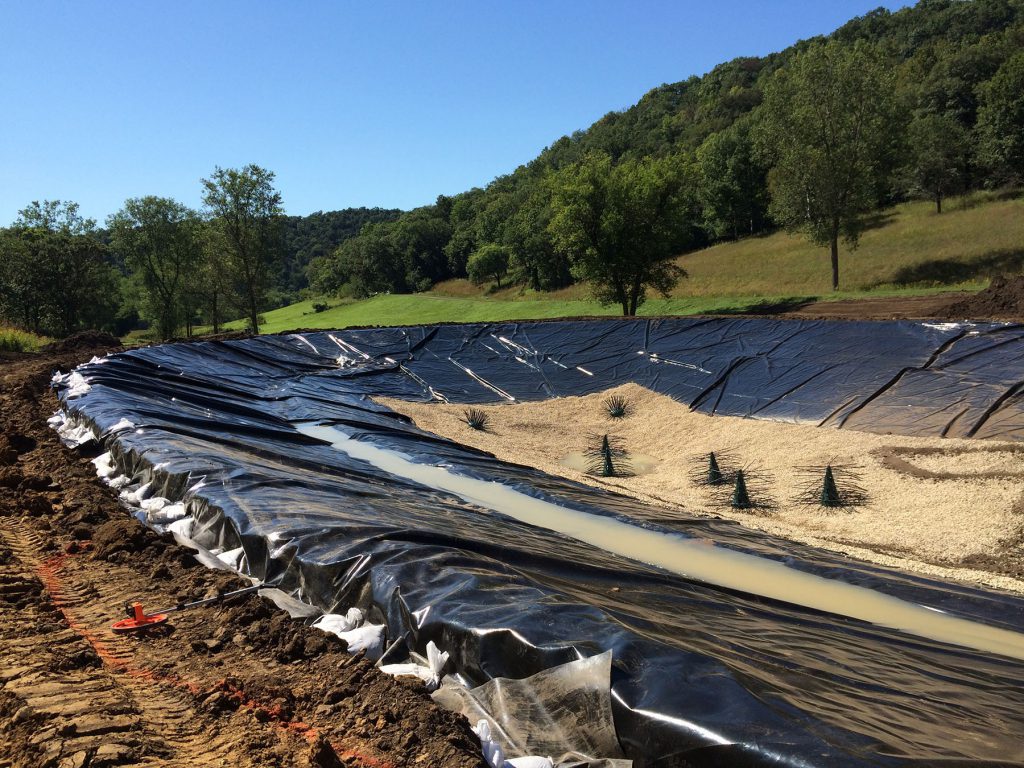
<point x="702" y="676"/>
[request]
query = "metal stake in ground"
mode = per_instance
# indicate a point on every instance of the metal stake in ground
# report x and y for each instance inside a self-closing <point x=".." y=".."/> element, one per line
<point x="139" y="620"/>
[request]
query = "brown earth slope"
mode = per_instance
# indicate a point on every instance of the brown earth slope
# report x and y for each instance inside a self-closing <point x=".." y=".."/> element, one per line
<point x="238" y="685"/>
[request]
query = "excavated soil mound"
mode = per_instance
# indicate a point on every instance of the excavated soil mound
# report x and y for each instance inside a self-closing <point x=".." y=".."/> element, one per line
<point x="83" y="340"/>
<point x="1002" y="300"/>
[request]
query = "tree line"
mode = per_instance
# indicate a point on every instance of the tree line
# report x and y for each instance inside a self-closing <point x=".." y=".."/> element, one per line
<point x="160" y="264"/>
<point x="59" y="273"/>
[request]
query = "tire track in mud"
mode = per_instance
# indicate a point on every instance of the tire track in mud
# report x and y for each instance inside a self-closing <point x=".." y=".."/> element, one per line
<point x="128" y="714"/>
<point x="58" y="707"/>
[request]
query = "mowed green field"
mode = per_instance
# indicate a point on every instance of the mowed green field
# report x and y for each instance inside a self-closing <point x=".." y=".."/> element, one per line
<point x="426" y="308"/>
<point x="909" y="250"/>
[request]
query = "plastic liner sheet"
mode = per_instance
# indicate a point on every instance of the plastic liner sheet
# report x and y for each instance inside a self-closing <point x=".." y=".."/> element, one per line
<point x="568" y="704"/>
<point x="700" y="675"/>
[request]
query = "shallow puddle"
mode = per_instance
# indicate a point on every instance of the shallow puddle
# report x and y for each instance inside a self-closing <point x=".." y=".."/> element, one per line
<point x="634" y="464"/>
<point x="698" y="559"/>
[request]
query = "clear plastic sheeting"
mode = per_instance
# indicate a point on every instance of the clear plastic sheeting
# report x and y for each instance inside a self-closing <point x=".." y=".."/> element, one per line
<point x="563" y="712"/>
<point x="703" y="672"/>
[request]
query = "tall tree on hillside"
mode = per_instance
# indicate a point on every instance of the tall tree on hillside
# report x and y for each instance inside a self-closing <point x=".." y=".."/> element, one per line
<point x="938" y="157"/>
<point x="246" y="209"/>
<point x="419" y="238"/>
<point x="732" y="190"/>
<point x="534" y="259"/>
<point x="464" y="237"/>
<point x="368" y="264"/>
<point x="1001" y="120"/>
<point x="622" y="225"/>
<point x="830" y="128"/>
<point x="159" y="240"/>
<point x="488" y="262"/>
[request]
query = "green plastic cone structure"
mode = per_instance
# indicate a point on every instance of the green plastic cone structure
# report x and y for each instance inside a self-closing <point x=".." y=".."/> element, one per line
<point x="608" y="470"/>
<point x="740" y="497"/>
<point x="829" y="490"/>
<point x="715" y="476"/>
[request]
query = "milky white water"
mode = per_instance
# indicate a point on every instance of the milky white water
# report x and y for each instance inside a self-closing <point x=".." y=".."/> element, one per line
<point x="636" y="464"/>
<point x="694" y="558"/>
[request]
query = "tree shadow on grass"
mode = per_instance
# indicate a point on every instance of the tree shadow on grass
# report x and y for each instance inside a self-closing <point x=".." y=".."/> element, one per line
<point x="967" y="202"/>
<point x="770" y="307"/>
<point x="877" y="220"/>
<point x="952" y="271"/>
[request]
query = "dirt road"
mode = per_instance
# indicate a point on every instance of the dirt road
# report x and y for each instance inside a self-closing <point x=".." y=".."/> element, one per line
<point x="239" y="685"/>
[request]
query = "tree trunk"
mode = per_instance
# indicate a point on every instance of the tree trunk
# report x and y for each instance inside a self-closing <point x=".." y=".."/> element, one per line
<point x="634" y="299"/>
<point x="938" y="203"/>
<point x="254" y="322"/>
<point x="625" y="307"/>
<point x="835" y="262"/>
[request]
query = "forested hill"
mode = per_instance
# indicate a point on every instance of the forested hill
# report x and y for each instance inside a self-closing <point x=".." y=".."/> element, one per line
<point x="940" y="60"/>
<point x="318" y="234"/>
<point x="944" y="49"/>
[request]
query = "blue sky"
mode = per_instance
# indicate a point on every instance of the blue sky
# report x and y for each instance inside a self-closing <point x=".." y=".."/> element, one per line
<point x="370" y="103"/>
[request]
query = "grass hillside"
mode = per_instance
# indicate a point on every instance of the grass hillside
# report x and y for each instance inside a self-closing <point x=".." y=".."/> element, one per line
<point x="909" y="250"/>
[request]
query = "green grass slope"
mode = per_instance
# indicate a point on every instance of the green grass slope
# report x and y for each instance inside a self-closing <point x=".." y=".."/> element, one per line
<point x="908" y="250"/>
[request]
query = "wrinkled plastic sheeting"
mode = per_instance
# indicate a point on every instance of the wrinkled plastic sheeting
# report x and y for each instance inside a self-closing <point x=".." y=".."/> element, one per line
<point x="564" y="708"/>
<point x="954" y="379"/>
<point x="701" y="675"/>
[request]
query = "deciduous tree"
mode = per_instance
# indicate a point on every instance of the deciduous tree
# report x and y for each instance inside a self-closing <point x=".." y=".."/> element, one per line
<point x="159" y="240"/>
<point x="938" y="157"/>
<point x="732" y="190"/>
<point x="829" y="127"/>
<point x="54" y="275"/>
<point x="622" y="225"/>
<point x="1001" y="120"/>
<point x="246" y="209"/>
<point x="488" y="262"/>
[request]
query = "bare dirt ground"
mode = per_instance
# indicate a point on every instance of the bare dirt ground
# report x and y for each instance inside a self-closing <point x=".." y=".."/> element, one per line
<point x="1003" y="300"/>
<point x="883" y="308"/>
<point x="239" y="685"/>
<point x="945" y="507"/>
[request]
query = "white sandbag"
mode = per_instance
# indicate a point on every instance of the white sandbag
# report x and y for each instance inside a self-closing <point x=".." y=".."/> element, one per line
<point x="336" y="623"/>
<point x="154" y="504"/>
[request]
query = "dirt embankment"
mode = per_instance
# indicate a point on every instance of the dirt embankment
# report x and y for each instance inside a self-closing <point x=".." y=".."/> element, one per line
<point x="1002" y="300"/>
<point x="946" y="507"/>
<point x="239" y="685"/>
<point x="881" y="308"/>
